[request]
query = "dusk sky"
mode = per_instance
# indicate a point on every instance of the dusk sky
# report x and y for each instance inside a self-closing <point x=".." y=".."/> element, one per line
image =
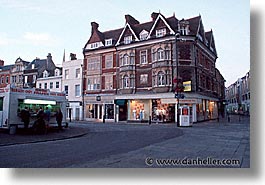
<point x="34" y="28"/>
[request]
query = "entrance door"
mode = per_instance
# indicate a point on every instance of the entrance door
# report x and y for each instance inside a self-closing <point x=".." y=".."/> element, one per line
<point x="77" y="113"/>
<point x="123" y="112"/>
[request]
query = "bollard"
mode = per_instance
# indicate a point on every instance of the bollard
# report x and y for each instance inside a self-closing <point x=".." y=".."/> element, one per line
<point x="104" y="119"/>
<point x="149" y="121"/>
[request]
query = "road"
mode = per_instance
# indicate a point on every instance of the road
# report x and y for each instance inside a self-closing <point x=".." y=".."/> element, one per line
<point x="101" y="142"/>
<point x="131" y="145"/>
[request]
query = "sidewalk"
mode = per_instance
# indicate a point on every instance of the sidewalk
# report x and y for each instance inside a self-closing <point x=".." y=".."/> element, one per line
<point x="21" y="137"/>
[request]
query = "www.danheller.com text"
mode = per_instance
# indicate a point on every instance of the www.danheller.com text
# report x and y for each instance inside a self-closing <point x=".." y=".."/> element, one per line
<point x="209" y="161"/>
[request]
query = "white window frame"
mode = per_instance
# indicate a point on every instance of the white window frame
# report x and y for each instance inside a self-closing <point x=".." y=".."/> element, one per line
<point x="143" y="78"/>
<point x="126" y="81"/>
<point x="109" y="61"/>
<point x="161" y="80"/>
<point x="66" y="90"/>
<point x="108" y="42"/>
<point x="77" y="73"/>
<point x="128" y="39"/>
<point x="108" y="82"/>
<point x="57" y="85"/>
<point x="93" y="83"/>
<point x="51" y="85"/>
<point x="143" y="57"/>
<point x="66" y="73"/>
<point x="77" y="90"/>
<point x="160" y="54"/>
<point x="161" y="32"/>
<point x="143" y="35"/>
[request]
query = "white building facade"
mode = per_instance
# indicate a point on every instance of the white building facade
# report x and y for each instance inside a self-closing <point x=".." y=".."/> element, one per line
<point x="72" y="86"/>
<point x="51" y="81"/>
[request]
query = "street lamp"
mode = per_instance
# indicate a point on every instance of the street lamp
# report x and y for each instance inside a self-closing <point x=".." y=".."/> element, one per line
<point x="83" y="92"/>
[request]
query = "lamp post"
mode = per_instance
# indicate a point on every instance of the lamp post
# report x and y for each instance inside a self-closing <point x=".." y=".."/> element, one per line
<point x="176" y="81"/>
<point x="83" y="93"/>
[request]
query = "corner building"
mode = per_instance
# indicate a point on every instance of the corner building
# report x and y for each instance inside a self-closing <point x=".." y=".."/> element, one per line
<point x="130" y="73"/>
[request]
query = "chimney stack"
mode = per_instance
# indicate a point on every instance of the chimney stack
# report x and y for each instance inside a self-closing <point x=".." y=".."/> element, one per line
<point x="94" y="26"/>
<point x="72" y="56"/>
<point x="131" y="20"/>
<point x="154" y="16"/>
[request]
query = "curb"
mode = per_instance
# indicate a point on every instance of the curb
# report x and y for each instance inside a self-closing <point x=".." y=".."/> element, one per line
<point x="46" y="140"/>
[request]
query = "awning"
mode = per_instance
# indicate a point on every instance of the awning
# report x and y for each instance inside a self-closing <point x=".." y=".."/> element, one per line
<point x="120" y="102"/>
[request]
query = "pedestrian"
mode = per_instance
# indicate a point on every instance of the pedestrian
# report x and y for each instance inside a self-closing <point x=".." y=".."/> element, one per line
<point x="70" y="114"/>
<point x="25" y="116"/>
<point x="47" y="116"/>
<point x="39" y="125"/>
<point x="59" y="118"/>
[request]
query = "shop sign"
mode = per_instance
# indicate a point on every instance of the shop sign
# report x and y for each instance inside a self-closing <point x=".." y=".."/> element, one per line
<point x="187" y="86"/>
<point x="36" y="91"/>
<point x="98" y="98"/>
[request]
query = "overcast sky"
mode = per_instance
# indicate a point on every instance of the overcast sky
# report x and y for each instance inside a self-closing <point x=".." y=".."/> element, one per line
<point x="34" y="28"/>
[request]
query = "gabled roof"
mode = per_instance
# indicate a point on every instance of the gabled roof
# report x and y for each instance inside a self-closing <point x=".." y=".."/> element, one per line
<point x="41" y="65"/>
<point x="194" y="25"/>
<point x="161" y="17"/>
<point x="210" y="38"/>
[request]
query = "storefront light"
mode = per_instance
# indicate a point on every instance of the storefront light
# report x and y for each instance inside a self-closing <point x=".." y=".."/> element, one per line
<point x="42" y="102"/>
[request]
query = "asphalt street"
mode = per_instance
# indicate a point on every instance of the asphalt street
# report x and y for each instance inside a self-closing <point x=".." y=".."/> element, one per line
<point x="102" y="141"/>
<point x="136" y="145"/>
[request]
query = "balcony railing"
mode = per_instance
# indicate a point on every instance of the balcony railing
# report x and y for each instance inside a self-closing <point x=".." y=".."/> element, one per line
<point x="164" y="63"/>
<point x="127" y="68"/>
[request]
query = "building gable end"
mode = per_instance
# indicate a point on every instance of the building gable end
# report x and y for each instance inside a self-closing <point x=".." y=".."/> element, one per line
<point x="159" y="17"/>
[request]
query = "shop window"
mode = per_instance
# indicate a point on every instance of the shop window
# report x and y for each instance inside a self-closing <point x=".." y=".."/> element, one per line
<point x="109" y="111"/>
<point x="1" y="103"/>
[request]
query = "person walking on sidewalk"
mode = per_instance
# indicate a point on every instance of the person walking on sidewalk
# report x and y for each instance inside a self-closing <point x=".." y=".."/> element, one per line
<point x="25" y="116"/>
<point x="47" y="116"/>
<point x="59" y="118"/>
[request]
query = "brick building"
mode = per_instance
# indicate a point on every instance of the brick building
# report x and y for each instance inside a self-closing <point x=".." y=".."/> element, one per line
<point x="131" y="73"/>
<point x="238" y="96"/>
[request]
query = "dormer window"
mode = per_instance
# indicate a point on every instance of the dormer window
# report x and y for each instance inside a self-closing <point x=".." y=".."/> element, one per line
<point x="57" y="72"/>
<point x="143" y="35"/>
<point x="108" y="42"/>
<point x="94" y="45"/>
<point x="161" y="32"/>
<point x="45" y="74"/>
<point x="184" y="30"/>
<point x="128" y="39"/>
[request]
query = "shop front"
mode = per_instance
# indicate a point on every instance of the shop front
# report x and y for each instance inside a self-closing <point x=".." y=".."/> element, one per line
<point x="189" y="102"/>
<point x="139" y="110"/>
<point x="207" y="110"/>
<point x="97" y="108"/>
